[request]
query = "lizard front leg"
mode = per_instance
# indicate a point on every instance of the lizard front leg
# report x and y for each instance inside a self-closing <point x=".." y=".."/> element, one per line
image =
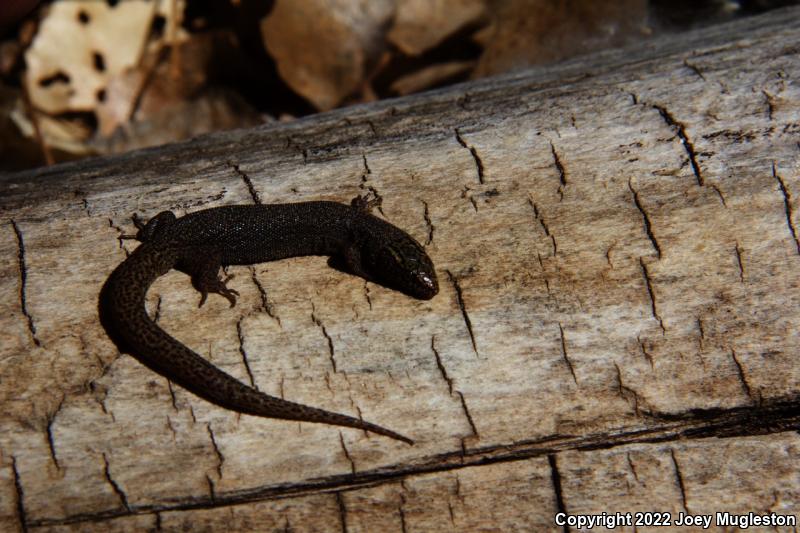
<point x="203" y="265"/>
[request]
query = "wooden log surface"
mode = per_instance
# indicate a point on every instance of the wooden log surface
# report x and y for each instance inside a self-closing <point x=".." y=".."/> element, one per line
<point x="617" y="328"/>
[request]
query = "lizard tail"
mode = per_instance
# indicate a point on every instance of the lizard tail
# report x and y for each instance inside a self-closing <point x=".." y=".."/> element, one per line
<point x="123" y="315"/>
<point x="195" y="374"/>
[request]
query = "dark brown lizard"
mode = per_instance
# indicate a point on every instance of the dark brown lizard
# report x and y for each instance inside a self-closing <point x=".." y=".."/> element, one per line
<point x="201" y="242"/>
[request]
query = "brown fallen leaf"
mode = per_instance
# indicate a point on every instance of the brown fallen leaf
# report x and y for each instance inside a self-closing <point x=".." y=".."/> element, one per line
<point x="530" y="32"/>
<point x="420" y="25"/>
<point x="431" y="76"/>
<point x="79" y="46"/>
<point x="322" y="48"/>
<point x="170" y="97"/>
<point x="214" y="110"/>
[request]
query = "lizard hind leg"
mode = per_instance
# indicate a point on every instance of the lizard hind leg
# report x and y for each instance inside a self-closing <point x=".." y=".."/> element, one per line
<point x="203" y="266"/>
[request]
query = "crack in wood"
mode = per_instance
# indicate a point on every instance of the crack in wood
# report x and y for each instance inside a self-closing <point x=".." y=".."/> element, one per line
<point x="347" y="453"/>
<point x="440" y="366"/>
<point x="266" y="305"/>
<point x="172" y="395"/>
<point x="648" y="225"/>
<point x="717" y="190"/>
<point x="360" y="415"/>
<point x="632" y="466"/>
<point x="426" y="214"/>
<point x="462" y="306"/>
<point x="739" y="261"/>
<point x="647" y="355"/>
<point x="743" y="377"/>
<point x="212" y="490"/>
<point x="555" y="477"/>
<point x="652" y="295"/>
<point x="114" y="486"/>
<point x="367" y="170"/>
<point x="248" y="182"/>
<point x="679" y="478"/>
<point x="787" y="205"/>
<point x="22" y="518"/>
<point x="342" y="511"/>
<point x="317" y="322"/>
<point x="402" y="513"/>
<point x="626" y="393"/>
<point x="157" y="310"/>
<point x="467" y="414"/>
<point x="562" y="174"/>
<point x="378" y="199"/>
<point x="545" y="279"/>
<point x="702" y="335"/>
<point x="49" y="432"/>
<point x="475" y="157"/>
<point x="680" y="129"/>
<point x="564" y="353"/>
<point x="243" y="352"/>
<point x="23" y="282"/>
<point x="539" y="218"/>
<point x="217" y="451"/>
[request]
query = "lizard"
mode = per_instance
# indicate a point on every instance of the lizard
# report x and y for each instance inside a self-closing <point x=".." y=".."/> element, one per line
<point x="201" y="242"/>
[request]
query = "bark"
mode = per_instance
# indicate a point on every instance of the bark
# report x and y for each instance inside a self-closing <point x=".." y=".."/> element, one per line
<point x="617" y="329"/>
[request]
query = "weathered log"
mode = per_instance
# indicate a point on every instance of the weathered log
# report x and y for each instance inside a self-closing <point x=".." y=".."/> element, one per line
<point x="617" y="329"/>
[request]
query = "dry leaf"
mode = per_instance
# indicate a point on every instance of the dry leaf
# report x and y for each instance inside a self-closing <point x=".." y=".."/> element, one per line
<point x="64" y="133"/>
<point x="529" y="32"/>
<point x="215" y="110"/>
<point x="119" y="100"/>
<point x="431" y="76"/>
<point x="420" y="25"/>
<point x="322" y="47"/>
<point x="79" y="47"/>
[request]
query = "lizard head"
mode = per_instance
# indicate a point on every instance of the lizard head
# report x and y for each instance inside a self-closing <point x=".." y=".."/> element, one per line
<point x="401" y="263"/>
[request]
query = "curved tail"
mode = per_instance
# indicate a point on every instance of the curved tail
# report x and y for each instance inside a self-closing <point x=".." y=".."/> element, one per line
<point x="123" y="315"/>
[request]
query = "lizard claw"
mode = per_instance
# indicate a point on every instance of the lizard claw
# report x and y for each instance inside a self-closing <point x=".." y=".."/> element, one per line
<point x="218" y="286"/>
<point x="230" y="294"/>
<point x="365" y="203"/>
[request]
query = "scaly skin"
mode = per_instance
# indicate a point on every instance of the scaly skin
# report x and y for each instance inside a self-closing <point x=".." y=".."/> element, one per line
<point x="201" y="242"/>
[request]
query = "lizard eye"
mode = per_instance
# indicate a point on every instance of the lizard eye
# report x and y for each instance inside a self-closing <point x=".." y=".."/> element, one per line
<point x="155" y="226"/>
<point x="395" y="254"/>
